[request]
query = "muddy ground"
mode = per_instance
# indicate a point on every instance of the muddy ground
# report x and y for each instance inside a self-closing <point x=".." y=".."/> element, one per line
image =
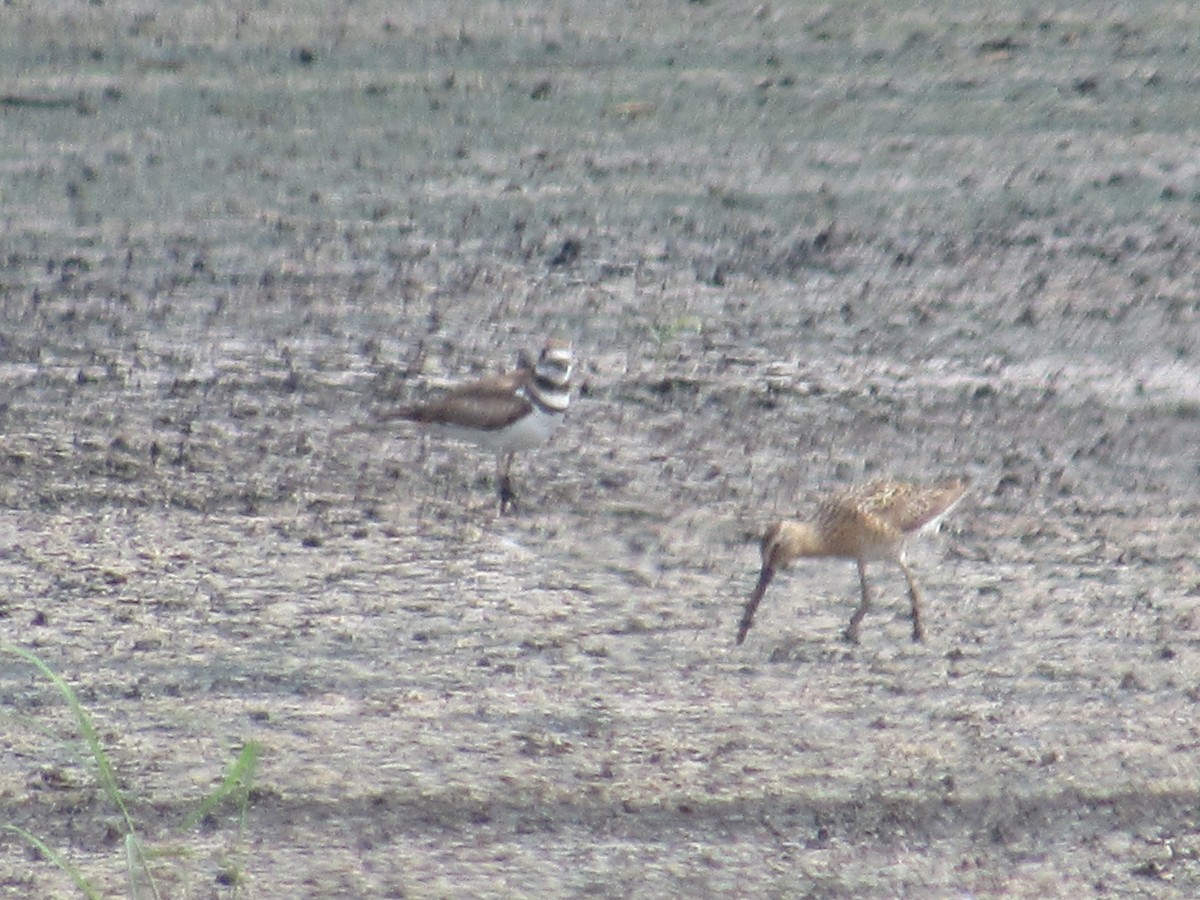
<point x="796" y="245"/>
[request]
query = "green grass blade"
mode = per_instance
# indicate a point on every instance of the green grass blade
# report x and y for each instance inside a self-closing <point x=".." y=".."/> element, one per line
<point x="135" y="865"/>
<point x="237" y="781"/>
<point x="108" y="780"/>
<point x="59" y="860"/>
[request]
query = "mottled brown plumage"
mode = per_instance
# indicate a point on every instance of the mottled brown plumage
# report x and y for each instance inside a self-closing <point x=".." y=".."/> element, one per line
<point x="867" y="522"/>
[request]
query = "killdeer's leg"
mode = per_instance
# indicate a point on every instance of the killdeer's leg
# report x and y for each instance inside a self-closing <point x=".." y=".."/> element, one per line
<point x="856" y="619"/>
<point x="914" y="594"/>
<point x="508" y="499"/>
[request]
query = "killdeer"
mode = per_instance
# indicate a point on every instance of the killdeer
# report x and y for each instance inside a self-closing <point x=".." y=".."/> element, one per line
<point x="865" y="523"/>
<point x="504" y="413"/>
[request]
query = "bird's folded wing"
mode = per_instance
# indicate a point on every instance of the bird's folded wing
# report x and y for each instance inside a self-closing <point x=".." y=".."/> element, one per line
<point x="487" y="407"/>
<point x="911" y="509"/>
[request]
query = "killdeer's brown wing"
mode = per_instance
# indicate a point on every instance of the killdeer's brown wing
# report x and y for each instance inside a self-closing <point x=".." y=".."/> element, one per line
<point x="487" y="405"/>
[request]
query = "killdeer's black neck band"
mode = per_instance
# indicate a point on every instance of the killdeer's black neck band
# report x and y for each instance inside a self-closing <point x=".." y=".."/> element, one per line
<point x="548" y="396"/>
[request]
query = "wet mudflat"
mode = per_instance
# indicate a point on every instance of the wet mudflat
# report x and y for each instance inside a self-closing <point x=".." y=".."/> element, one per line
<point x="795" y="247"/>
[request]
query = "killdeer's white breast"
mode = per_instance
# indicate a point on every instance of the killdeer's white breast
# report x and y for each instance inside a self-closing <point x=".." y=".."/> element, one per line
<point x="531" y="429"/>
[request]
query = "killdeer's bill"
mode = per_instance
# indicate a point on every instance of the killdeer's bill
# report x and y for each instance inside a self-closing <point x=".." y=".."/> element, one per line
<point x="505" y="413"/>
<point x="868" y="522"/>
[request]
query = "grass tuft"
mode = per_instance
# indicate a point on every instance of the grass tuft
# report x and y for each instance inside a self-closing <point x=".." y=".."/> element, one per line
<point x="237" y="784"/>
<point x="58" y="859"/>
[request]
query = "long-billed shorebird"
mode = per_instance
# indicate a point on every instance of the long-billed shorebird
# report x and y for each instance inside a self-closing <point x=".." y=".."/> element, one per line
<point x="504" y="413"/>
<point x="865" y="523"/>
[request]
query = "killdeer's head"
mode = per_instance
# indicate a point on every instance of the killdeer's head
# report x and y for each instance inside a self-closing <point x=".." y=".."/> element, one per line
<point x="549" y="384"/>
<point x="555" y="365"/>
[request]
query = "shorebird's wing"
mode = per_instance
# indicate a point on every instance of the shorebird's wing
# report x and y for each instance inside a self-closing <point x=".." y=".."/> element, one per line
<point x="486" y="405"/>
<point x="908" y="507"/>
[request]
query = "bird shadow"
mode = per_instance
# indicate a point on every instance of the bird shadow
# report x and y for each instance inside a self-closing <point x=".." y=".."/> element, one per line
<point x="809" y="649"/>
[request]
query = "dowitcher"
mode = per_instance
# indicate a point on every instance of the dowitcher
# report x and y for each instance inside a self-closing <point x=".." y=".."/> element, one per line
<point x="868" y="522"/>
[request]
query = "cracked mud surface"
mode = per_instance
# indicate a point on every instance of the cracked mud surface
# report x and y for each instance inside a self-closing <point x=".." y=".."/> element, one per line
<point x="795" y="247"/>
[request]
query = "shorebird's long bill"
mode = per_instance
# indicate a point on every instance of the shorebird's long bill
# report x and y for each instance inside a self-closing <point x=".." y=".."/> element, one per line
<point x="756" y="596"/>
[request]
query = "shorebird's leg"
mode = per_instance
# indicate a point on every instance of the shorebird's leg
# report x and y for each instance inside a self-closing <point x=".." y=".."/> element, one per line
<point x="508" y="499"/>
<point x="914" y="594"/>
<point x="856" y="619"/>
